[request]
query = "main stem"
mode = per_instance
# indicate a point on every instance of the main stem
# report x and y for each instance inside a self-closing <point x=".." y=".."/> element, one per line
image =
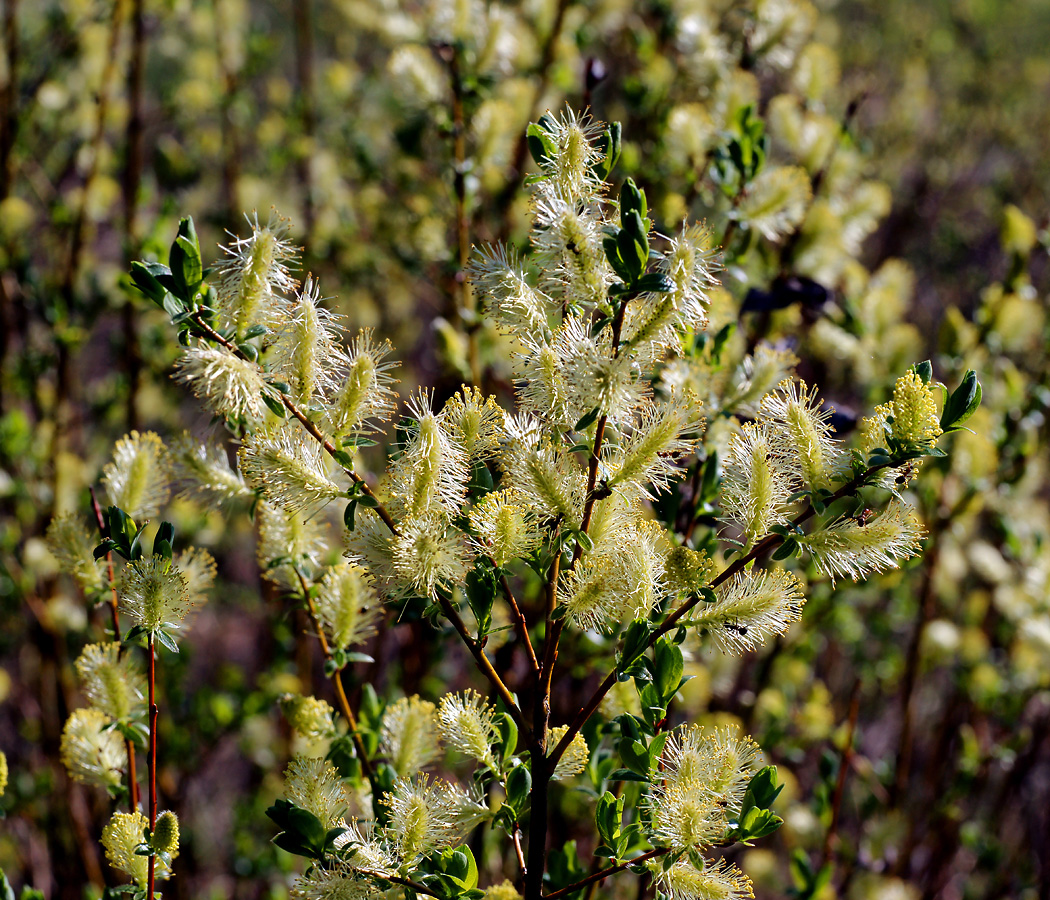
<point x="542" y="763"/>
<point x="151" y="759"/>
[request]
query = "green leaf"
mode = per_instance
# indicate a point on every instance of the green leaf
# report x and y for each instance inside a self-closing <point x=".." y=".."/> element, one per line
<point x="611" y="245"/>
<point x="588" y="419"/>
<point x="669" y="665"/>
<point x="343" y="458"/>
<point x="164" y="541"/>
<point x="348" y="515"/>
<point x="274" y="405"/>
<point x="541" y="145"/>
<point x="107" y="545"/>
<point x="255" y="331"/>
<point x="609" y="145"/>
<point x="519" y="783"/>
<point x="626" y="775"/>
<point x="635" y="642"/>
<point x="963" y="403"/>
<point x="654" y="283"/>
<point x="184" y="259"/>
<point x="763" y="789"/>
<point x="924" y="370"/>
<point x="508" y="736"/>
<point x="632" y="199"/>
<point x="6" y="891"/>
<point x="165" y="640"/>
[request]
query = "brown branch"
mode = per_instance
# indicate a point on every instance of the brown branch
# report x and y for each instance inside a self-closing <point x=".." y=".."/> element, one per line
<point x="151" y="758"/>
<point x="605" y="873"/>
<point x="485" y="665"/>
<point x="768" y="543"/>
<point x="129" y="745"/>
<point x="522" y="624"/>
<point x="340" y="693"/>
<point x="840" y="782"/>
<point x="542" y="763"/>
<point x="463" y="307"/>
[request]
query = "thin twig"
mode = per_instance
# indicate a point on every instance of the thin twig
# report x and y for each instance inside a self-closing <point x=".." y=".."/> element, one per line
<point x="844" y="766"/>
<point x="340" y="693"/>
<point x="768" y="543"/>
<point x="129" y="745"/>
<point x="151" y="758"/>
<point x="397" y="879"/>
<point x="520" y="621"/>
<point x="485" y="665"/>
<point x="605" y="873"/>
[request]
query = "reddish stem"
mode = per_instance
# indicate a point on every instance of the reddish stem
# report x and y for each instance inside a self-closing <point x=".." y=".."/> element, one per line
<point x="151" y="758"/>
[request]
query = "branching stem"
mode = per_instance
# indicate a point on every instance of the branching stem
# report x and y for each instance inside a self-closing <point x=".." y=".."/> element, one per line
<point x="605" y="873"/>
<point x="768" y="543"/>
<point x="340" y="693"/>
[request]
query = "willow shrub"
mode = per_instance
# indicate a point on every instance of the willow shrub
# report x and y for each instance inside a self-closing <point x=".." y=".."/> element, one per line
<point x="544" y="528"/>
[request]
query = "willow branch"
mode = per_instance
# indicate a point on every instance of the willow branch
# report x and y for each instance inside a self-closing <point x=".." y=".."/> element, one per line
<point x="523" y="625"/>
<point x="303" y="419"/>
<point x="768" y="543"/>
<point x="605" y="873"/>
<point x="129" y="745"/>
<point x="340" y="693"/>
<point x="151" y="758"/>
<point x="485" y="664"/>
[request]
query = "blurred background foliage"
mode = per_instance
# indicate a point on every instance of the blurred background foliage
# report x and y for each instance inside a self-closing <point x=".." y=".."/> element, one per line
<point x="903" y="214"/>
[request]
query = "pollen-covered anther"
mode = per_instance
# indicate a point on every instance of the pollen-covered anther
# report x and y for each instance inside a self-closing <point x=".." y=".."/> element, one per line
<point x="153" y="593"/>
<point x="112" y="682"/>
<point x="914" y="411"/>
<point x="797" y="411"/>
<point x="205" y="471"/>
<point x="758" y="478"/>
<point x="314" y="784"/>
<point x="347" y="605"/>
<point x="474" y="422"/>
<point x="229" y="386"/>
<point x="73" y="547"/>
<point x="254" y="275"/>
<point x="717" y="880"/>
<point x="750" y="608"/>
<point x="91" y="750"/>
<point x="288" y="469"/>
<point x="137" y="480"/>
<point x="854" y="549"/>
<point x="312" y="718"/>
<point x="409" y="737"/>
<point x="428" y="552"/>
<point x="306" y="349"/>
<point x="122" y="836"/>
<point x="665" y="432"/>
<point x="468" y="725"/>
<point x="432" y="471"/>
<point x="365" y="395"/>
<point x="505" y="526"/>
<point x="576" y="756"/>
